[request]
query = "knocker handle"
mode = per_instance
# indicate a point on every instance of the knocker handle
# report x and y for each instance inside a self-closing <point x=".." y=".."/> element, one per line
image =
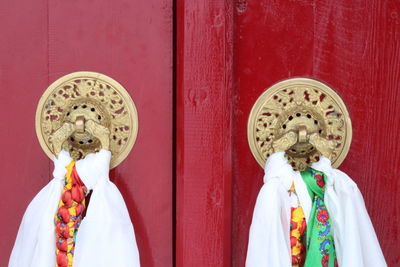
<point x="80" y="125"/>
<point x="303" y="137"/>
<point x="323" y="145"/>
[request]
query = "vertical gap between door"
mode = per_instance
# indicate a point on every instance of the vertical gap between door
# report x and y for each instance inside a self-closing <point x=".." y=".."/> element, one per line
<point x="174" y="124"/>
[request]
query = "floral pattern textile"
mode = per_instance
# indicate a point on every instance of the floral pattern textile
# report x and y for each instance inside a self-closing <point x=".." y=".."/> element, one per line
<point x="297" y="234"/>
<point x="69" y="216"/>
<point x="320" y="243"/>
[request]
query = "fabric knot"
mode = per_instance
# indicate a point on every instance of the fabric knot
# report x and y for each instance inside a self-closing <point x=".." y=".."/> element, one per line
<point x="324" y="165"/>
<point x="94" y="168"/>
<point x="278" y="167"/>
<point x="60" y="163"/>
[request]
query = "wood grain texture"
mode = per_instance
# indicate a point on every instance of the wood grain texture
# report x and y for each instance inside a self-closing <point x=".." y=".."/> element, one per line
<point x="131" y="41"/>
<point x="354" y="47"/>
<point x="204" y="75"/>
<point x="23" y="73"/>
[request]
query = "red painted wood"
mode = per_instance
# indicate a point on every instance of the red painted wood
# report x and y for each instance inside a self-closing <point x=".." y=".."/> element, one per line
<point x="203" y="116"/>
<point x="23" y="74"/>
<point x="353" y="46"/>
<point x="131" y="41"/>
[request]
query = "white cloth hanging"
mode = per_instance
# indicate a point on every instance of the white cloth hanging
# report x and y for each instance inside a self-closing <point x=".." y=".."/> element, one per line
<point x="269" y="243"/>
<point x="105" y="237"/>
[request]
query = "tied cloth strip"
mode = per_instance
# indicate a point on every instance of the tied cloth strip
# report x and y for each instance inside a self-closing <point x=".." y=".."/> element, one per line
<point x="297" y="233"/>
<point x="320" y="243"/>
<point x="69" y="216"/>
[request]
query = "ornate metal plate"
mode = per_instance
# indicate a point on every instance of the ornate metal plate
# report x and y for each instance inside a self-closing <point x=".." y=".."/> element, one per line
<point x="94" y="96"/>
<point x="294" y="102"/>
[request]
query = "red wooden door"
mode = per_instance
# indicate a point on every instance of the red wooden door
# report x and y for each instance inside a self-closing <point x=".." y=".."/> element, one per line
<point x="353" y="46"/>
<point x="131" y="41"/>
<point x="228" y="53"/>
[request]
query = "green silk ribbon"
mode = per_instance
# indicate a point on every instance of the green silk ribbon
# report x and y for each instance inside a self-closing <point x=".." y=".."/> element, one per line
<point x="319" y="240"/>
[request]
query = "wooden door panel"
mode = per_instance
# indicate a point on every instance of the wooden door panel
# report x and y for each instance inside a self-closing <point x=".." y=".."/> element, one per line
<point x="23" y="75"/>
<point x="354" y="47"/>
<point x="203" y="147"/>
<point x="131" y="41"/>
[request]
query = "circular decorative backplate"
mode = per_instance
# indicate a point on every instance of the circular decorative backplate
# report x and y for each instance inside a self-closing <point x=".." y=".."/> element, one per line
<point x="294" y="102"/>
<point x="96" y="97"/>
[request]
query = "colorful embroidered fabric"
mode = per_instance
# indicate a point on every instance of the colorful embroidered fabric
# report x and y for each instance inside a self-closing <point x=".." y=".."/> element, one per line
<point x="297" y="233"/>
<point x="69" y="215"/>
<point x="320" y="243"/>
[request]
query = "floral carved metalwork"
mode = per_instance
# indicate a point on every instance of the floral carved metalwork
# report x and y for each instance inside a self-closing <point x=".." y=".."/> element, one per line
<point x="308" y="108"/>
<point x="87" y="96"/>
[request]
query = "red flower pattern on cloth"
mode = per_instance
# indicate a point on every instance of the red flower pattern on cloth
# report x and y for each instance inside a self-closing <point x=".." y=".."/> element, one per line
<point x="69" y="216"/>
<point x="297" y="234"/>
<point x="325" y="261"/>
<point x="322" y="216"/>
<point x="320" y="180"/>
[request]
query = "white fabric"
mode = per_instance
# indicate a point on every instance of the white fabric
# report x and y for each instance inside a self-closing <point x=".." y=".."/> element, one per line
<point x="269" y="244"/>
<point x="355" y="239"/>
<point x="105" y="237"/>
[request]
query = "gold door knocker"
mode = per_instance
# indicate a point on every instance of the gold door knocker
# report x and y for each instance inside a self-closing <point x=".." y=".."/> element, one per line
<point x="83" y="112"/>
<point x="303" y="117"/>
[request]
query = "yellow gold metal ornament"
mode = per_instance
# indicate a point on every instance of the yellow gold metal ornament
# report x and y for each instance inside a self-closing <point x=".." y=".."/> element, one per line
<point x="304" y="117"/>
<point x="81" y="97"/>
